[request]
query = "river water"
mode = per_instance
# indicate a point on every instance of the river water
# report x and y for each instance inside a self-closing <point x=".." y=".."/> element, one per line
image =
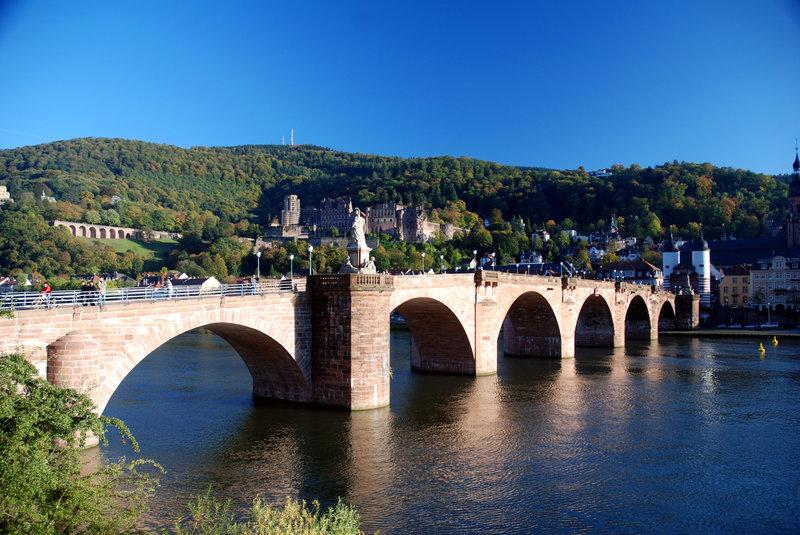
<point x="679" y="435"/>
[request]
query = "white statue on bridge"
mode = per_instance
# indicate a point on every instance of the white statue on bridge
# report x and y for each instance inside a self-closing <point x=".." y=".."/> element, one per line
<point x="357" y="249"/>
<point x="358" y="229"/>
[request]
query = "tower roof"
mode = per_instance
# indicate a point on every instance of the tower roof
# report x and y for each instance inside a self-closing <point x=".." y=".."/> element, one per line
<point x="794" y="185"/>
<point x="701" y="244"/>
<point x="669" y="247"/>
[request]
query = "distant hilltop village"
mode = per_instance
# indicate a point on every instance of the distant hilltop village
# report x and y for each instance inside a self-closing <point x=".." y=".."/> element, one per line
<point x="334" y="217"/>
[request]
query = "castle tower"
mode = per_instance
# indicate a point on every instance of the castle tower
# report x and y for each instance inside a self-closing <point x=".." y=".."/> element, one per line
<point x="793" y="224"/>
<point x="671" y="257"/>
<point x="290" y="215"/>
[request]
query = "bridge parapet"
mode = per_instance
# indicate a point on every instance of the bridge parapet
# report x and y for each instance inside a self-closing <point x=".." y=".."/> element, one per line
<point x="482" y="276"/>
<point x="351" y="281"/>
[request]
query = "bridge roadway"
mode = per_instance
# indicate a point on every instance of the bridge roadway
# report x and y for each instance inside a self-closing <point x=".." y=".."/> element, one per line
<point x="329" y="344"/>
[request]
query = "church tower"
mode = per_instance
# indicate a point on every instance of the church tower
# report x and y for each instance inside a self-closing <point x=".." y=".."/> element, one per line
<point x="793" y="225"/>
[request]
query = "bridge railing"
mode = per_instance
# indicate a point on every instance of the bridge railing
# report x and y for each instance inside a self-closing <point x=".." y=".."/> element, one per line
<point x="61" y="298"/>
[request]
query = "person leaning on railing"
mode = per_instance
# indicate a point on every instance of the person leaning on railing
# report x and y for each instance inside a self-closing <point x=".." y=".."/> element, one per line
<point x="101" y="292"/>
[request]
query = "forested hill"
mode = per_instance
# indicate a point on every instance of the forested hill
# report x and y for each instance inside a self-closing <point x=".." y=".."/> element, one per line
<point x="167" y="187"/>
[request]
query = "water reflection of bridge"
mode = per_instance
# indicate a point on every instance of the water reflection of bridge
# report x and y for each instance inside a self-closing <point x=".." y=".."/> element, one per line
<point x="330" y="344"/>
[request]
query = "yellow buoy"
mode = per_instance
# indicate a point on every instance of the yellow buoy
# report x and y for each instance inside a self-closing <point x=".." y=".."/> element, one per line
<point x="761" y="347"/>
<point x="774" y="340"/>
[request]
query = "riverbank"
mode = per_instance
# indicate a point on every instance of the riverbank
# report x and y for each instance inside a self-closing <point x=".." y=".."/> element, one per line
<point x="734" y="333"/>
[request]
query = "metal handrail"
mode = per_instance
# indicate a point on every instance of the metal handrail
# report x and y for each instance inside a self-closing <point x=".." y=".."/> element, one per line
<point x="28" y="300"/>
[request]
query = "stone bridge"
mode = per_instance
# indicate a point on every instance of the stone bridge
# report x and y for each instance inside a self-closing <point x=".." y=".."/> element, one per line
<point x="329" y="345"/>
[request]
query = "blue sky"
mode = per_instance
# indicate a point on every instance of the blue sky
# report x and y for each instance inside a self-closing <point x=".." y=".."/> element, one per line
<point x="553" y="84"/>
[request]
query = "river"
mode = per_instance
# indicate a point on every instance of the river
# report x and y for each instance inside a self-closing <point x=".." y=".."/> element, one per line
<point x="678" y="435"/>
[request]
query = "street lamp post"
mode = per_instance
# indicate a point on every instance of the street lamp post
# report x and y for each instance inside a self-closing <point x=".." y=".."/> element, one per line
<point x="423" y="263"/>
<point x="291" y="266"/>
<point x="310" y="260"/>
<point x="494" y="262"/>
<point x="258" y="265"/>
<point x="441" y="264"/>
<point x="475" y="258"/>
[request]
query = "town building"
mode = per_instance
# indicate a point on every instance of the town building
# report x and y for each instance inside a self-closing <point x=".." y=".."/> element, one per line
<point x="636" y="271"/>
<point x="543" y="234"/>
<point x="531" y="257"/>
<point x="734" y="286"/>
<point x="596" y="254"/>
<point x="601" y="173"/>
<point x="775" y="282"/>
<point x="628" y="254"/>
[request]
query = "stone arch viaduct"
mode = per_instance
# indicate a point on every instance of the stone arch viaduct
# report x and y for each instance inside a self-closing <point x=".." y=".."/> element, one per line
<point x="103" y="232"/>
<point x="329" y="345"/>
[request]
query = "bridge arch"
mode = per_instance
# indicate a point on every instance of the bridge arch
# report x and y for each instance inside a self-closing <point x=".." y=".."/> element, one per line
<point x="73" y="230"/>
<point x="439" y="341"/>
<point x="82" y="231"/>
<point x="637" y="320"/>
<point x="531" y="328"/>
<point x="102" y="233"/>
<point x="595" y="324"/>
<point x="666" y="317"/>
<point x="98" y="362"/>
<point x="93" y="232"/>
<point x="112" y="233"/>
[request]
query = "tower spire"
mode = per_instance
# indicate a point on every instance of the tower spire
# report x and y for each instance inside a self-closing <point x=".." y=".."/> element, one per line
<point x="796" y="164"/>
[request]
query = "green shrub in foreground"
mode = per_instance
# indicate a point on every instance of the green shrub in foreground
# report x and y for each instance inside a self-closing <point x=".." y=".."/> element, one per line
<point x="209" y="515"/>
<point x="43" y="429"/>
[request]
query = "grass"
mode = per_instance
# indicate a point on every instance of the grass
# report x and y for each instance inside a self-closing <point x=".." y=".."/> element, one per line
<point x="154" y="249"/>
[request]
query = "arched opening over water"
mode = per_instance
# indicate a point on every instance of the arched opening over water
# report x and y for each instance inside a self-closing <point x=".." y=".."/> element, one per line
<point x="666" y="317"/>
<point x="439" y="342"/>
<point x="637" y="320"/>
<point x="530" y="328"/>
<point x="595" y="325"/>
<point x="274" y="372"/>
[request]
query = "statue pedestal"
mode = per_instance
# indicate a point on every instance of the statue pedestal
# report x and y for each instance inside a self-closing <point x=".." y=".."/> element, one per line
<point x="359" y="255"/>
